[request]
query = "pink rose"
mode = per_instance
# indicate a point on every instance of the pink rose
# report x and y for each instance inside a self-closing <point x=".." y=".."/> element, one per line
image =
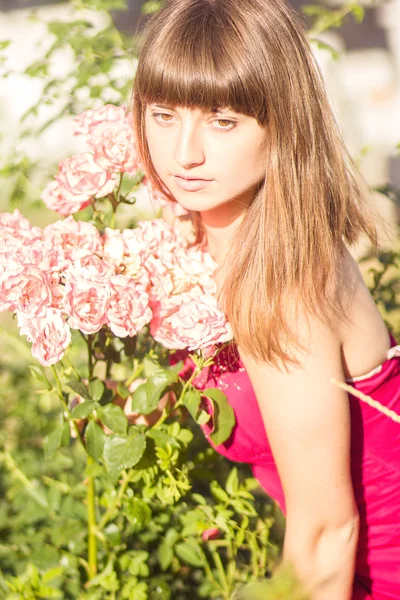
<point x="87" y="293"/>
<point x="154" y="237"/>
<point x="113" y="146"/>
<point x="190" y="321"/>
<point x="49" y="333"/>
<point x="26" y="288"/>
<point x="59" y="199"/>
<point x="113" y="246"/>
<point x="82" y="176"/>
<point x="17" y="223"/>
<point x="131" y="264"/>
<point x="128" y="310"/>
<point x="93" y="116"/>
<point x="76" y="238"/>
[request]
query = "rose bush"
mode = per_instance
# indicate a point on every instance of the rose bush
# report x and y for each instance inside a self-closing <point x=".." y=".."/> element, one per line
<point x="132" y="296"/>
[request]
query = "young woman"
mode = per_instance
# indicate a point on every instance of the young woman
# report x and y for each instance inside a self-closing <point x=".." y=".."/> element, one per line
<point x="233" y="123"/>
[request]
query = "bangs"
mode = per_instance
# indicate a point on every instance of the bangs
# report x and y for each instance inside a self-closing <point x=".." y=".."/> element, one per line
<point x="200" y="65"/>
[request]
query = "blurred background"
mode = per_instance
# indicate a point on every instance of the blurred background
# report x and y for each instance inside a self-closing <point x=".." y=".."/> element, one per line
<point x="360" y="62"/>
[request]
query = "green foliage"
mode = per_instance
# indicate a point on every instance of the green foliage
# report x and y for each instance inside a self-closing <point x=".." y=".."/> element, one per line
<point x="153" y="502"/>
<point x="324" y="18"/>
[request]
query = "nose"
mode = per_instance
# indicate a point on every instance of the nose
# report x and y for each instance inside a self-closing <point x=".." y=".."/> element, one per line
<point x="189" y="151"/>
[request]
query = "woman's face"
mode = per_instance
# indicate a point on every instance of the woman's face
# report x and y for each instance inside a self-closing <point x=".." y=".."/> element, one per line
<point x="223" y="152"/>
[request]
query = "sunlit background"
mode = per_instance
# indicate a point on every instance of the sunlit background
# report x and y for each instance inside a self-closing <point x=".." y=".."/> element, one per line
<point x="363" y="84"/>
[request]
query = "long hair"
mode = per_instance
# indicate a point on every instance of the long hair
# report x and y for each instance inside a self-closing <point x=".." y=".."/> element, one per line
<point x="254" y="57"/>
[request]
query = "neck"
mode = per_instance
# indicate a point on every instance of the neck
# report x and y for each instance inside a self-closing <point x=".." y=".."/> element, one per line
<point x="220" y="226"/>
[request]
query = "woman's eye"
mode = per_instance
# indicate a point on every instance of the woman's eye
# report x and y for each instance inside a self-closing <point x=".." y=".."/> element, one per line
<point x="226" y="123"/>
<point x="159" y="117"/>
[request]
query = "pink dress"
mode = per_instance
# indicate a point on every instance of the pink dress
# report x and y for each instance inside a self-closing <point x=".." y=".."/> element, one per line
<point x="375" y="459"/>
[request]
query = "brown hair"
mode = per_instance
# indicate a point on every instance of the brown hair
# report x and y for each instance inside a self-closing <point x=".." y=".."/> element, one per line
<point x="254" y="57"/>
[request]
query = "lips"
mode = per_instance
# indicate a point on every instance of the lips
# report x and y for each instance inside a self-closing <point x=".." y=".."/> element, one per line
<point x="188" y="178"/>
<point x="191" y="185"/>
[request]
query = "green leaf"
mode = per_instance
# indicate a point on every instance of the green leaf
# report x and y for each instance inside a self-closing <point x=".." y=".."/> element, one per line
<point x="177" y="367"/>
<point x="151" y="6"/>
<point x="162" y="438"/>
<point x="123" y="390"/>
<point x="185" y="436"/>
<point x="80" y="388"/>
<point x="192" y="401"/>
<point x="199" y="499"/>
<point x="224" y="417"/>
<point x="240" y="537"/>
<point x="158" y="383"/>
<point x="140" y="400"/>
<point x="113" y="417"/>
<point x="4" y="44"/>
<point x="203" y="417"/>
<point x="55" y="439"/>
<point x="358" y="12"/>
<point x="232" y="482"/>
<point x="83" y="410"/>
<point x="190" y="552"/>
<point x="150" y="366"/>
<point x="112" y="534"/>
<point x="165" y="554"/>
<point x="218" y="493"/>
<point x="51" y="574"/>
<point x="40" y="375"/>
<point x="138" y="512"/>
<point x="95" y="439"/>
<point x="122" y="452"/>
<point x="94" y="470"/>
<point x="96" y="389"/>
<point x="325" y="46"/>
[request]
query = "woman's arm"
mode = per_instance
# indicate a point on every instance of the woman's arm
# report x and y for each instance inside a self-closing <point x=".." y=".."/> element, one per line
<point x="307" y="420"/>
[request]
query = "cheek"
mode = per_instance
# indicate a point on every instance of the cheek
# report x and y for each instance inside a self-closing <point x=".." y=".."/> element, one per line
<point x="155" y="145"/>
<point x="246" y="162"/>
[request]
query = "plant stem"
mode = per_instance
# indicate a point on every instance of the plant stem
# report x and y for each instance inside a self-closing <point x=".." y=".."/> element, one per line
<point x="92" y="540"/>
<point x="27" y="483"/>
<point x="90" y="362"/>
<point x="115" y="201"/>
<point x="66" y="408"/>
<point x="137" y="369"/>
